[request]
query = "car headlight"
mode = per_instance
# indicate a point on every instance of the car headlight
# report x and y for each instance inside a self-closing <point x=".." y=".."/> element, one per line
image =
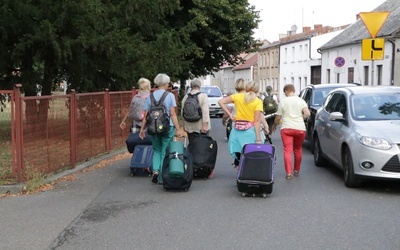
<point x="377" y="143"/>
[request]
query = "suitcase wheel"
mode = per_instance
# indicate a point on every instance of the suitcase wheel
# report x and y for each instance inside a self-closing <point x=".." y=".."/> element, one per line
<point x="133" y="172"/>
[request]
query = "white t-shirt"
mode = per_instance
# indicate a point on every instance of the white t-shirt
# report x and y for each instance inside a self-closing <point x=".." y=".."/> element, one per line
<point x="291" y="110"/>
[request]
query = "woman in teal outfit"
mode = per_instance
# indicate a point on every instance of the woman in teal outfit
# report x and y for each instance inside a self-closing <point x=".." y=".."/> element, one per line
<point x="161" y="142"/>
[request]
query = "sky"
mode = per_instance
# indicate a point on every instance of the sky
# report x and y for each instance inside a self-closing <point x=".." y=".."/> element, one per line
<point x="279" y="16"/>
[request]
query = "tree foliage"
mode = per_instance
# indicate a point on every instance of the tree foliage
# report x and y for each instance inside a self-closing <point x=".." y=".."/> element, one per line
<point x="97" y="44"/>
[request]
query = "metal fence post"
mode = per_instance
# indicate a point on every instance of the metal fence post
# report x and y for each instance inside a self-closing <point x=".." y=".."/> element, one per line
<point x="19" y="152"/>
<point x="107" y="119"/>
<point x="73" y="117"/>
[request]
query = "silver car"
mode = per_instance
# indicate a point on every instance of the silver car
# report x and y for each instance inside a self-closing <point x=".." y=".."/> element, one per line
<point x="358" y="130"/>
<point x="214" y="94"/>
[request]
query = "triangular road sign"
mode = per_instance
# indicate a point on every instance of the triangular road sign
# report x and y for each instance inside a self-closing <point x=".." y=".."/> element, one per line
<point x="374" y="21"/>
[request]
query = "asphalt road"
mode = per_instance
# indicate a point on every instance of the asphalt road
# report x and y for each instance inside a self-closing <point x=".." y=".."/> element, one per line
<point x="108" y="209"/>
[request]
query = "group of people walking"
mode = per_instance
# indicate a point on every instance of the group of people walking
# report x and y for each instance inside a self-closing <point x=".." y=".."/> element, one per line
<point x="247" y="116"/>
<point x="244" y="108"/>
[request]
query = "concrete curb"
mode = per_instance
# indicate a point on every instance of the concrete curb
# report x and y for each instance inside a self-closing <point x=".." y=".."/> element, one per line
<point x="18" y="188"/>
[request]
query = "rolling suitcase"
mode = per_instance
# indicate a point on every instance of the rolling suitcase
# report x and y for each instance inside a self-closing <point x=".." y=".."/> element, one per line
<point x="142" y="160"/>
<point x="204" y="151"/>
<point x="177" y="169"/>
<point x="133" y="140"/>
<point x="256" y="170"/>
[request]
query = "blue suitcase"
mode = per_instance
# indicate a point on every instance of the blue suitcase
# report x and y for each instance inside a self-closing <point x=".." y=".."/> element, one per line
<point x="142" y="160"/>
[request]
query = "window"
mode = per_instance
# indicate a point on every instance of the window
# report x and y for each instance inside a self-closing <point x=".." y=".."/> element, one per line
<point x="285" y="58"/>
<point x="305" y="49"/>
<point x="350" y="74"/>
<point x="300" y="83"/>
<point x="328" y="76"/>
<point x="379" y="74"/>
<point x="293" y="54"/>
<point x="330" y="103"/>
<point x="307" y="96"/>
<point x="337" y="77"/>
<point x="341" y="105"/>
<point x="301" y="52"/>
<point x="366" y="74"/>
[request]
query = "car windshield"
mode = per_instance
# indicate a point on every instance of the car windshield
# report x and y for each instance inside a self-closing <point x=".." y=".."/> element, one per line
<point x="380" y="106"/>
<point x="211" y="92"/>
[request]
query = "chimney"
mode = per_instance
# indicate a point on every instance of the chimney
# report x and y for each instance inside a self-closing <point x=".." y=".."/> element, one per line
<point x="317" y="26"/>
<point x="306" y="29"/>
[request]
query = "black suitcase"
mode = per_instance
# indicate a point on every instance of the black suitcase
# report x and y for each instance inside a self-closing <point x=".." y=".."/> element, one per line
<point x="204" y="151"/>
<point x="174" y="182"/>
<point x="256" y="170"/>
<point x="133" y="140"/>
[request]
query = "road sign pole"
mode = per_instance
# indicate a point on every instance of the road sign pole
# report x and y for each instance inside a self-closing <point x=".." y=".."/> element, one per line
<point x="372" y="72"/>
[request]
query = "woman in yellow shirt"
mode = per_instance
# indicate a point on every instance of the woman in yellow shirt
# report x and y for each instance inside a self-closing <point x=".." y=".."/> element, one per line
<point x="248" y="108"/>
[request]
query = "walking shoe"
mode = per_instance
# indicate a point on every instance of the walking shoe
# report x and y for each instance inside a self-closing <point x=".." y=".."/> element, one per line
<point x="154" y="179"/>
<point x="289" y="177"/>
<point x="211" y="175"/>
<point x="296" y="173"/>
<point x="236" y="167"/>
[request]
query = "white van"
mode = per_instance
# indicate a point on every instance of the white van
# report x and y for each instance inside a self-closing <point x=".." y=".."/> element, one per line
<point x="214" y="94"/>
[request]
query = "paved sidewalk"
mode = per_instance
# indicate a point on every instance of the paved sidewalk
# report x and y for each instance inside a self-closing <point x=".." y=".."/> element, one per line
<point x="18" y="188"/>
<point x="33" y="221"/>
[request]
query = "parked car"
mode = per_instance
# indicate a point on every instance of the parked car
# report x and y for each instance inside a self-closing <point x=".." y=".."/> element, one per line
<point x="314" y="96"/>
<point x="214" y="94"/>
<point x="358" y="130"/>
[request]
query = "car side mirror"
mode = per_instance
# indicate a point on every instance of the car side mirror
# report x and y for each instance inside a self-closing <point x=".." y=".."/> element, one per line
<point x="336" y="116"/>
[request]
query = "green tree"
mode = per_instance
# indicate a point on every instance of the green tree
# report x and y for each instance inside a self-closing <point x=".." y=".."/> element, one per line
<point x="97" y="44"/>
<point x="220" y="31"/>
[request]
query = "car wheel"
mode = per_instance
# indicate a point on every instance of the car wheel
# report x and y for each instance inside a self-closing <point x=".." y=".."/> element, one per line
<point x="319" y="160"/>
<point x="350" y="179"/>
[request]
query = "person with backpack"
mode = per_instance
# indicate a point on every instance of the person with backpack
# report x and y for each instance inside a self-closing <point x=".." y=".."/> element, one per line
<point x="161" y="122"/>
<point x="195" y="111"/>
<point x="270" y="105"/>
<point x="136" y="115"/>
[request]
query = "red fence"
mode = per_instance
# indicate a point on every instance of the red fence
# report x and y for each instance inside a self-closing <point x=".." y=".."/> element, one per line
<point x="46" y="134"/>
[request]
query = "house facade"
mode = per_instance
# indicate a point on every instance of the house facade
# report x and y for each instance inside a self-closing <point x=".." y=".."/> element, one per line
<point x="299" y="60"/>
<point x="323" y="54"/>
<point x="268" y="66"/>
<point x="345" y="59"/>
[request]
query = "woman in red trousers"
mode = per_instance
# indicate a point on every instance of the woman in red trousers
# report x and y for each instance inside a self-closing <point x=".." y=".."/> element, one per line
<point x="293" y="111"/>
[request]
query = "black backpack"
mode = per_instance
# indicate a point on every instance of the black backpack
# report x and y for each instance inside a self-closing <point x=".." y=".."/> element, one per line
<point x="269" y="104"/>
<point x="191" y="109"/>
<point x="157" y="119"/>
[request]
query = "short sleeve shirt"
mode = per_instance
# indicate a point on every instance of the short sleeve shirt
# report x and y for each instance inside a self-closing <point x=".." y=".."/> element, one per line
<point x="245" y="111"/>
<point x="291" y="110"/>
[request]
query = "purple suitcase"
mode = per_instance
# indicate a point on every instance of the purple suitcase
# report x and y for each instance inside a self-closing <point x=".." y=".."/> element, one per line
<point x="256" y="170"/>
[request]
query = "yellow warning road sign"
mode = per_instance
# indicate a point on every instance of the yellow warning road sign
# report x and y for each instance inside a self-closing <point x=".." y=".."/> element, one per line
<point x="374" y="21"/>
<point x="373" y="49"/>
